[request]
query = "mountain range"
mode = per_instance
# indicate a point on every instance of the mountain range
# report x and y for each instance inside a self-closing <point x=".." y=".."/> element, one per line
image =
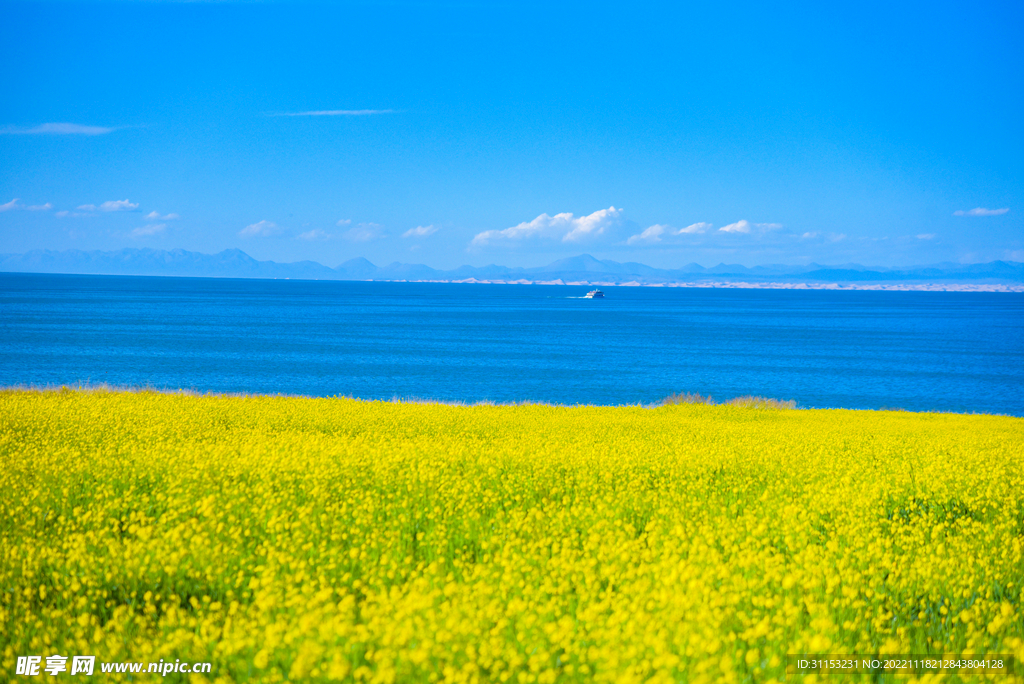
<point x="234" y="263"/>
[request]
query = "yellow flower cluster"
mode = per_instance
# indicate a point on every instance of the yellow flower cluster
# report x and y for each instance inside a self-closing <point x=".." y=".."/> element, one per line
<point x="293" y="539"/>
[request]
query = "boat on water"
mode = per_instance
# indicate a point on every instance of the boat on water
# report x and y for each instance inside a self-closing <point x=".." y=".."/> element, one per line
<point x="594" y="294"/>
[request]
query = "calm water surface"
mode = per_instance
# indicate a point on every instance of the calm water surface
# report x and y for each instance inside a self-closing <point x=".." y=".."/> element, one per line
<point x="915" y="350"/>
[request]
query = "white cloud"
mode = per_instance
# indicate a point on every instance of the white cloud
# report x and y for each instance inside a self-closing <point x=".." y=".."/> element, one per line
<point x="746" y="227"/>
<point x="111" y="205"/>
<point x="420" y="231"/>
<point x="1014" y="255"/>
<point x="650" y="236"/>
<point x="261" y="229"/>
<point x="595" y="224"/>
<point x="155" y="216"/>
<point x="837" y="237"/>
<point x="565" y="226"/>
<point x="981" y="211"/>
<point x="361" y="232"/>
<point x="338" y="112"/>
<point x="62" y="214"/>
<point x="57" y="129"/>
<point x="694" y="228"/>
<point x="13" y="204"/>
<point x="655" y="233"/>
<point x="316" y="234"/>
<point x="365" y="232"/>
<point x="742" y="226"/>
<point x="926" y="236"/>
<point x="808" y="236"/>
<point x="118" y="205"/>
<point x="150" y="229"/>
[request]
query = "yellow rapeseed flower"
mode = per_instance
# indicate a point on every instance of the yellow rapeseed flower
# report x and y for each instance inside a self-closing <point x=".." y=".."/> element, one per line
<point x="292" y="539"/>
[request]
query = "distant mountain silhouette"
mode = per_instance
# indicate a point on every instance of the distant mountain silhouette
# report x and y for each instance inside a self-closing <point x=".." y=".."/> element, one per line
<point x="231" y="263"/>
<point x="358" y="268"/>
<point x="234" y="263"/>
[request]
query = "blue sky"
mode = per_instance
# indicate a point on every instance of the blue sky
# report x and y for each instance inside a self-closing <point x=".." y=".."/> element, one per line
<point x="516" y="133"/>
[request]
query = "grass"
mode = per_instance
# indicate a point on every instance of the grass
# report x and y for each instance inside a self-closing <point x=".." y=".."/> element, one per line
<point x="747" y="401"/>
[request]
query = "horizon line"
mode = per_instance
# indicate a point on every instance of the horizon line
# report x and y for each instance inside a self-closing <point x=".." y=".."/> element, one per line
<point x="844" y="266"/>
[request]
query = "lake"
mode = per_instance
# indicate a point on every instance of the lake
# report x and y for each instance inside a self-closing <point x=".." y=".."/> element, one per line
<point x="922" y="351"/>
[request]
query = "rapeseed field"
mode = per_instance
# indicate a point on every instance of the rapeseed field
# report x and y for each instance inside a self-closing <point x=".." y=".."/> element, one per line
<point x="294" y="539"/>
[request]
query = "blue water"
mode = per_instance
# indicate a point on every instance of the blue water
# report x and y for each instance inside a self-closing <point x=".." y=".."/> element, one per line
<point x="922" y="351"/>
